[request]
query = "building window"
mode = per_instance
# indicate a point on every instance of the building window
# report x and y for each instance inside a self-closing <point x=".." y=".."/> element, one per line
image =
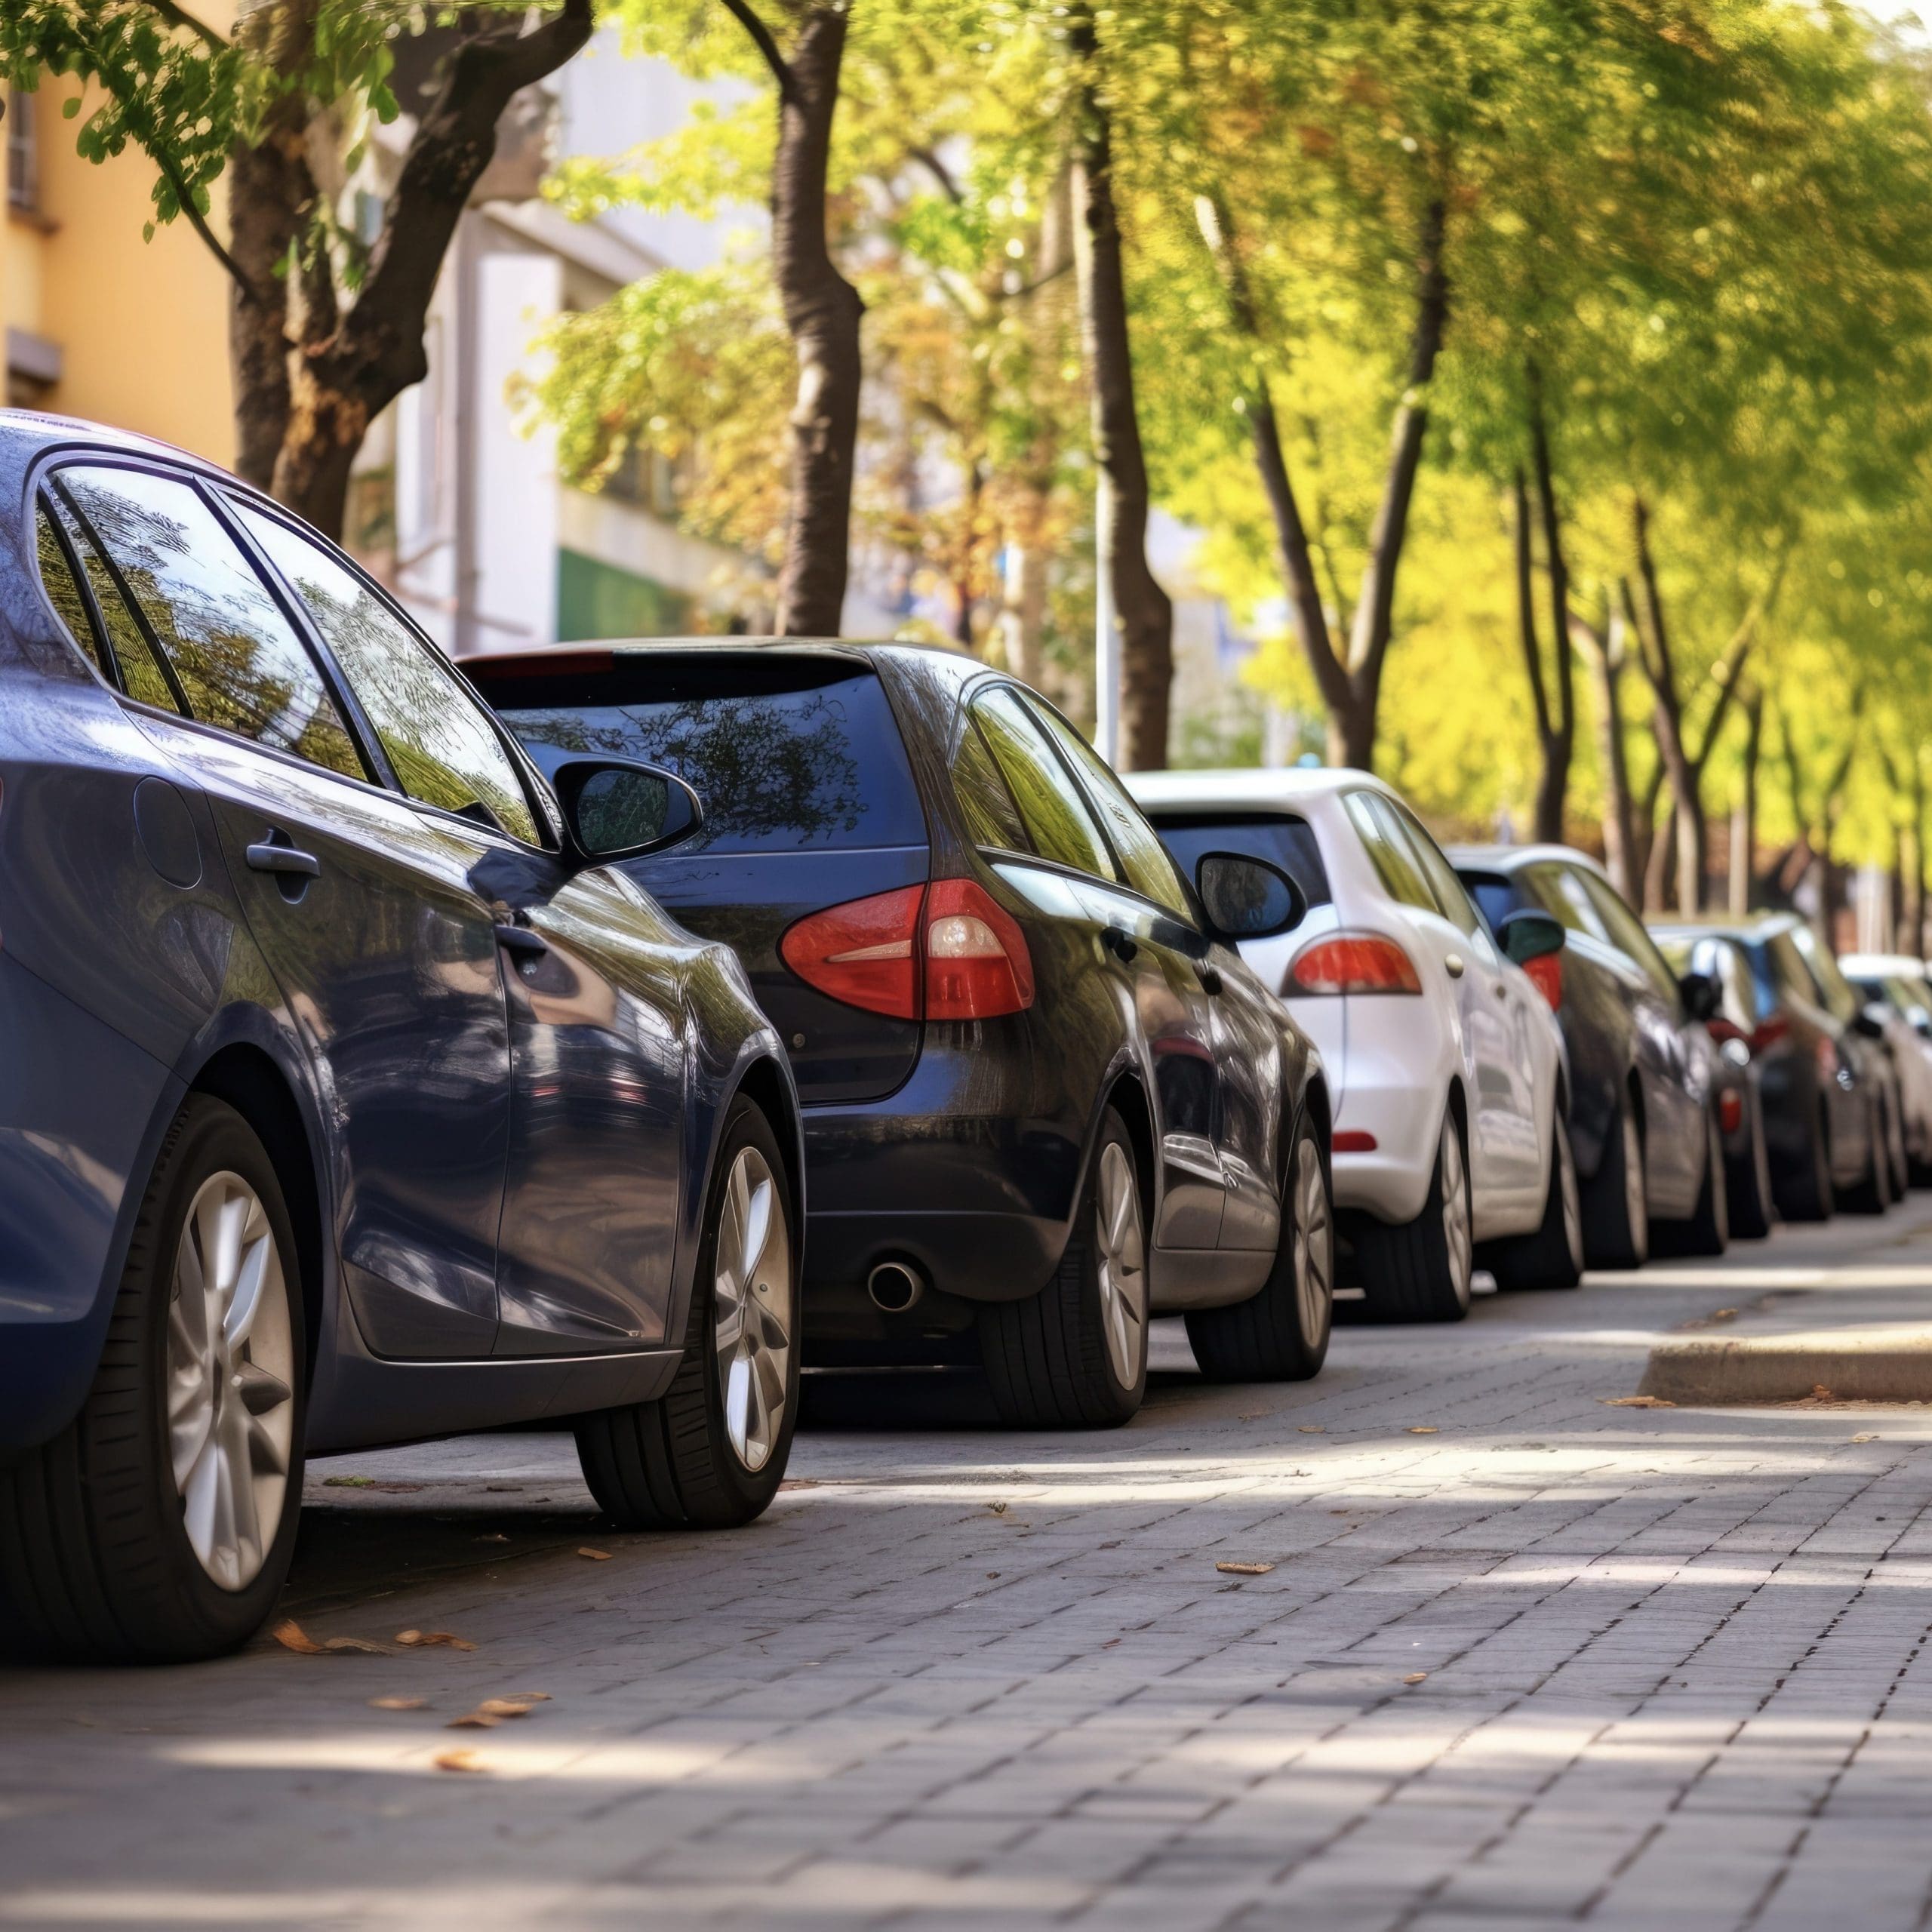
<point x="22" y="155"/>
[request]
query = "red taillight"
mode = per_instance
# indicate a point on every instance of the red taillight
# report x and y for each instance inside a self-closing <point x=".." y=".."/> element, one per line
<point x="1352" y="1140"/>
<point x="1730" y="1111"/>
<point x="1725" y="1031"/>
<point x="1546" y="976"/>
<point x="1768" y="1032"/>
<point x="1351" y="963"/>
<point x="869" y="953"/>
<point x="861" y="952"/>
<point x="977" y="966"/>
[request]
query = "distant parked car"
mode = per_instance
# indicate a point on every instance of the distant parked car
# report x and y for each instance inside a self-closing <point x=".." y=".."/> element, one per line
<point x="1450" y="1136"/>
<point x="1822" y="1072"/>
<point x="1044" y="1099"/>
<point x="350" y="1096"/>
<point x="1647" y="1113"/>
<point x="1896" y="986"/>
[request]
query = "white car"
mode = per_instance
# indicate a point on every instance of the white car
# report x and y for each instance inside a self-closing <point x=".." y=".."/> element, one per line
<point x="1450" y="1106"/>
<point x="1897" y="982"/>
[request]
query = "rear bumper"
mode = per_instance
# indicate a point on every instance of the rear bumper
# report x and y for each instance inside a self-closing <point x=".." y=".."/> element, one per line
<point x="1392" y="1092"/>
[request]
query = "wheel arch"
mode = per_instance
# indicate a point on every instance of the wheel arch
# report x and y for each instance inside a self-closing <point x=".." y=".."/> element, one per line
<point x="1128" y="1098"/>
<point x="764" y="1082"/>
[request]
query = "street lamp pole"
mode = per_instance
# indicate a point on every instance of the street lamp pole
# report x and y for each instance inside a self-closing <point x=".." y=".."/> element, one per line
<point x="1106" y="627"/>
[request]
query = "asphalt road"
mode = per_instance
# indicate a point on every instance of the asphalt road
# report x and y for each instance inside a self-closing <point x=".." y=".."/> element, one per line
<point x="1522" y="1659"/>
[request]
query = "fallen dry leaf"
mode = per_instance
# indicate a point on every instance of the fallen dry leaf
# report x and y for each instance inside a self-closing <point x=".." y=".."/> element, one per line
<point x="1725" y="1314"/>
<point x="422" y="1639"/>
<point x="595" y="1555"/>
<point x="998" y="1509"/>
<point x="399" y="1703"/>
<point x="1311" y="1428"/>
<point x="802" y="1482"/>
<point x="1244" y="1569"/>
<point x="458" y="1761"/>
<point x="1635" y="1402"/>
<point x="291" y="1636"/>
<point x="1868" y="1437"/>
<point x="493" y="1711"/>
<point x="1423" y="1429"/>
<point x="1415" y="1677"/>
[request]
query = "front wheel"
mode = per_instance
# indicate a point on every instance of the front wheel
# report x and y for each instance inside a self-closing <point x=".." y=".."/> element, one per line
<point x="710" y="1452"/>
<point x="159" y="1525"/>
<point x="1552" y="1257"/>
<point x="1280" y="1334"/>
<point x="1708" y="1231"/>
<point x="1872" y="1193"/>
<point x="1075" y="1356"/>
<point x="1750" y="1182"/>
<point x="1419" y="1270"/>
<point x="1617" y="1224"/>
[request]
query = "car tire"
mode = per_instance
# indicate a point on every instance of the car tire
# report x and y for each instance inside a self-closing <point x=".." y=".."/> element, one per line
<point x="159" y="1525"/>
<point x="1552" y="1257"/>
<point x="1901" y="1163"/>
<point x="1805" y="1191"/>
<point x="710" y="1452"/>
<point x="1419" y="1270"/>
<point x="1749" y="1183"/>
<point x="1872" y="1193"/>
<point x="1616" y="1227"/>
<point x="1075" y="1356"/>
<point x="1708" y="1231"/>
<point x="1281" y="1334"/>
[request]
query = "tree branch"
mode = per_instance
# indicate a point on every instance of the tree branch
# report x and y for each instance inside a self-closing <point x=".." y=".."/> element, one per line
<point x="740" y="10"/>
<point x="178" y="17"/>
<point x="930" y="160"/>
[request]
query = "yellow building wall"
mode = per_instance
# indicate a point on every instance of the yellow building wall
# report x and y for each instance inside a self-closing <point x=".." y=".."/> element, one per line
<point x="142" y="326"/>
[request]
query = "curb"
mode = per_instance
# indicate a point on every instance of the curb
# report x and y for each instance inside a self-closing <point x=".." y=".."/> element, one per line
<point x="1883" y="1365"/>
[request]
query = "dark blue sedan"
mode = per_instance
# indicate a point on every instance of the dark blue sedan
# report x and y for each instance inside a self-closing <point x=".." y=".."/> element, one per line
<point x="350" y="1097"/>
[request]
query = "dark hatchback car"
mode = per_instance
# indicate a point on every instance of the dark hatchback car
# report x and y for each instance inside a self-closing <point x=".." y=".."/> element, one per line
<point x="349" y="1097"/>
<point x="1645" y="1118"/>
<point x="1829" y="1107"/>
<point x="1044" y="1097"/>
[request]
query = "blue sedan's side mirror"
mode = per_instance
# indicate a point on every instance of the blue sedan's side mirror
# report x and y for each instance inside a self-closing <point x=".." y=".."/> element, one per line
<point x="616" y="808"/>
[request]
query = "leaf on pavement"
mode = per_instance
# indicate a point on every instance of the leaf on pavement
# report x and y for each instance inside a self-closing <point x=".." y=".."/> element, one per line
<point x="1415" y="1677"/>
<point x="1868" y="1437"/>
<point x="595" y="1555"/>
<point x="1423" y="1429"/>
<point x="458" y="1761"/>
<point x="493" y="1711"/>
<point x="1635" y="1402"/>
<point x="291" y="1636"/>
<point x="1244" y="1569"/>
<point x="998" y="1509"/>
<point x="1311" y="1428"/>
<point x="422" y="1639"/>
<point x="399" y="1703"/>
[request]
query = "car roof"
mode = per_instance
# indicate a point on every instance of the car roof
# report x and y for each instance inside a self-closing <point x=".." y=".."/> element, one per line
<point x="1753" y="927"/>
<point x="1508" y="858"/>
<point x="1876" y="965"/>
<point x="595" y="654"/>
<point x="44" y="427"/>
<point x="1256" y="788"/>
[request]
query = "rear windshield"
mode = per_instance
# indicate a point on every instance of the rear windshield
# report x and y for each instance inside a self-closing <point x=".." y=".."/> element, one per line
<point x="786" y="754"/>
<point x="1280" y="837"/>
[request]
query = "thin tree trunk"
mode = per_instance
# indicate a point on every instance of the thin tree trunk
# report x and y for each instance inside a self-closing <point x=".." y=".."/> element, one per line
<point x="1145" y="614"/>
<point x="1559" y="739"/>
<point x="1683" y="775"/>
<point x="1547" y="820"/>
<point x="1375" y="609"/>
<point x="1656" y="868"/>
<point x="1912" y="912"/>
<point x="1744" y="812"/>
<point x="1602" y="653"/>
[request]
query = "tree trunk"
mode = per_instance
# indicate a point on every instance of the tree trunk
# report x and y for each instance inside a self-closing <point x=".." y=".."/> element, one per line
<point x="1911" y="909"/>
<point x="1603" y="654"/>
<point x="1656" y="866"/>
<point x="1375" y="609"/>
<point x="1145" y="614"/>
<point x="1559" y="741"/>
<point x="1679" y="768"/>
<point x="1547" y="819"/>
<point x="1744" y="812"/>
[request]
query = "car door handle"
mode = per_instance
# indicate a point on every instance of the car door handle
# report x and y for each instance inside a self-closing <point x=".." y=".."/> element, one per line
<point x="521" y="942"/>
<point x="1118" y="943"/>
<point x="1210" y="982"/>
<point x="269" y="857"/>
<point x="1454" y="961"/>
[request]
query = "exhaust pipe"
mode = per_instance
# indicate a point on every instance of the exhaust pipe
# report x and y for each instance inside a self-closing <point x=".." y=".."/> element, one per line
<point x="894" y="1286"/>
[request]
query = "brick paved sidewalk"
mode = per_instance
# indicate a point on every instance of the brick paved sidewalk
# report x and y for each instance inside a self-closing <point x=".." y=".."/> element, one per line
<point x="1553" y="1663"/>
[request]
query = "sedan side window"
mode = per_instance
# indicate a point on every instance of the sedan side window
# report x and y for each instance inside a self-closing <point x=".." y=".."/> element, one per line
<point x="64" y="588"/>
<point x="1395" y="865"/>
<point x="1628" y="936"/>
<point x="237" y="659"/>
<point x="992" y="817"/>
<point x="1561" y="891"/>
<point x="1055" y="815"/>
<point x="1450" y="891"/>
<point x="1144" y="859"/>
<point x="137" y="669"/>
<point x="444" y="750"/>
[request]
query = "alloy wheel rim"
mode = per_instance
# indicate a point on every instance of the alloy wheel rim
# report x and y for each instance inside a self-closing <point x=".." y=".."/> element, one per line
<point x="1314" y="1246"/>
<point x="752" y="1299"/>
<point x="1636" y="1202"/>
<point x="1122" y="1254"/>
<point x="231" y="1369"/>
<point x="1573" y="1200"/>
<point x="1455" y="1211"/>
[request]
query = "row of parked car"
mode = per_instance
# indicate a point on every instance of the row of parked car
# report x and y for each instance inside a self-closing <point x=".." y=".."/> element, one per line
<point x="598" y="1036"/>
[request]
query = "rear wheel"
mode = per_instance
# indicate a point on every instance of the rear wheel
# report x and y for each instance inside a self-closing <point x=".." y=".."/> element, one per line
<point x="1075" y="1356"/>
<point x="1750" y="1180"/>
<point x="1616" y="1225"/>
<point x="1419" y="1270"/>
<point x="1872" y="1193"/>
<point x="1805" y="1192"/>
<point x="159" y="1525"/>
<point x="1280" y="1334"/>
<point x="1552" y="1257"/>
<point x="710" y="1453"/>
<point x="1708" y="1231"/>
